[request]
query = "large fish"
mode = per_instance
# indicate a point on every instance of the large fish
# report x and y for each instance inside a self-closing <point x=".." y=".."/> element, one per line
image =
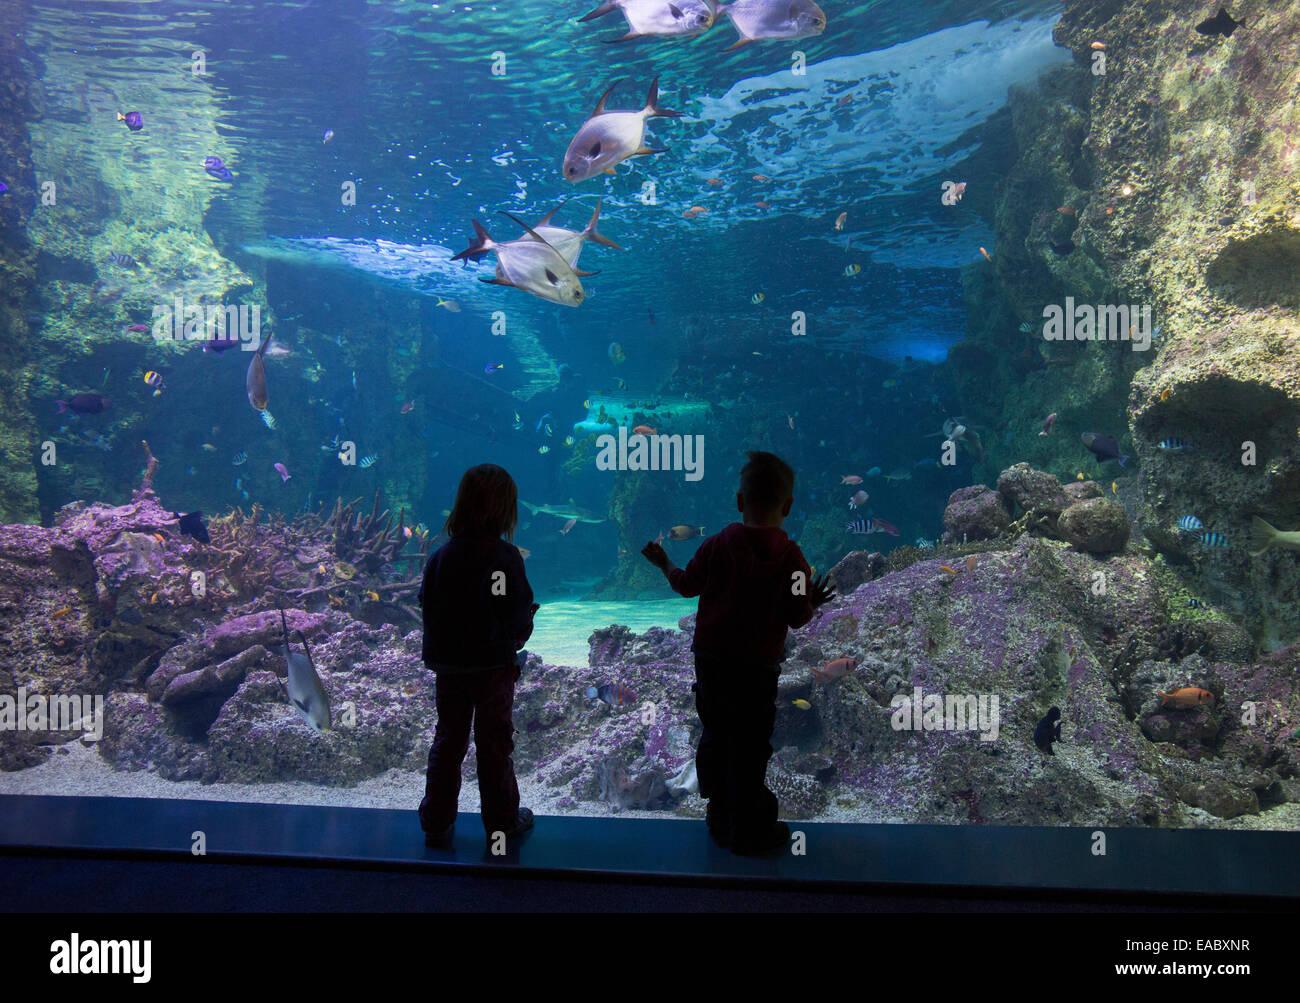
<point x="610" y="137"/>
<point x="756" y="20"/>
<point x="306" y="692"/>
<point x="569" y="511"/>
<point x="530" y="264"/>
<point x="676" y="19"/>
<point x="569" y="242"/>
<point x="255" y="379"/>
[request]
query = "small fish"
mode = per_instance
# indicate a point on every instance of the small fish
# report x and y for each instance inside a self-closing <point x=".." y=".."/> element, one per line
<point x="543" y="450"/>
<point x="1221" y="24"/>
<point x="986" y="255"/>
<point x="948" y="568"/>
<point x="866" y="526"/>
<point x="1188" y="696"/>
<point x="845" y="101"/>
<point x="958" y="190"/>
<point x="1097" y="45"/>
<point x="852" y="270"/>
<point x="1195" y="603"/>
<point x="762" y="178"/>
<point x="859" y="499"/>
<point x="680" y="533"/>
<point x="1114" y="488"/>
<point x="1164" y="395"/>
<point x="1026" y="328"/>
<point x="757" y="298"/>
<point x="840" y="220"/>
<point x="192" y="525"/>
<point x="644" y="430"/>
<point x="790" y="421"/>
<point x="1048" y="730"/>
<point x="239" y="459"/>
<point x="133" y="119"/>
<point x="493" y="367"/>
<point x="1079" y="476"/>
<point x="449" y="305"/>
<point x="306" y="692"/>
<point x="616" y="353"/>
<point x="1173" y="445"/>
<point x="610" y="137"/>
<point x="217" y="169"/>
<point x="569" y="440"/>
<point x="568" y="526"/>
<point x="972" y="562"/>
<point x="208" y="447"/>
<point x="1103" y="447"/>
<point x="371" y="594"/>
<point x="614" y="694"/>
<point x="408" y="407"/>
<point x="1066" y="210"/>
<point x="756" y="20"/>
<point x="327" y="135"/>
<point x="1214" y="540"/>
<point x="1048" y="423"/>
<point x="518" y="422"/>
<point x="122" y="260"/>
<point x="835" y="669"/>
<point x="714" y="182"/>
<point x="61" y="612"/>
<point x="851" y="479"/>
<point x="84" y="404"/>
<point x="874" y="472"/>
<point x="1189" y="522"/>
<point x="268" y="419"/>
<point x="620" y="383"/>
<point x="802" y="704"/>
<point x="1263" y="535"/>
<point x="761" y="204"/>
<point x="367" y="461"/>
<point x="154" y="380"/>
<point x="283" y="471"/>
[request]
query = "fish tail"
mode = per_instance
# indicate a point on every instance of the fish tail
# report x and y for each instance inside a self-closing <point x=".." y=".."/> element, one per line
<point x="1262" y="535"/>
<point x="121" y="117"/>
<point x="1122" y="459"/>
<point x="608" y="7"/>
<point x="652" y="107"/>
<point x="591" y="233"/>
<point x="62" y="407"/>
<point x="482" y="243"/>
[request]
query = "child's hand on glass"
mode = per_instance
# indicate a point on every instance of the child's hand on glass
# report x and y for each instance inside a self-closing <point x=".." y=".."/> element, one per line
<point x="656" y="555"/>
<point x="822" y="591"/>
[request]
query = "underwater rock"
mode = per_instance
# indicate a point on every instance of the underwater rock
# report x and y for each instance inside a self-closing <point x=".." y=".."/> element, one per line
<point x="1221" y="798"/>
<point x="974" y="513"/>
<point x="855" y="568"/>
<point x="1097" y="525"/>
<point x="1030" y="490"/>
<point x="1082" y="490"/>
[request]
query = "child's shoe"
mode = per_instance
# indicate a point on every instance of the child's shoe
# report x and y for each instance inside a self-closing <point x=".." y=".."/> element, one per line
<point x="440" y="840"/>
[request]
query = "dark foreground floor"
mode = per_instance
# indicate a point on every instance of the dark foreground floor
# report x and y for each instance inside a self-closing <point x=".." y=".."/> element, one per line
<point x="129" y="854"/>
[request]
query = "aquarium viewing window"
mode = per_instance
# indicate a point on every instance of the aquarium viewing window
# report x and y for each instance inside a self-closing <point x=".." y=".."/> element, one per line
<point x="847" y="446"/>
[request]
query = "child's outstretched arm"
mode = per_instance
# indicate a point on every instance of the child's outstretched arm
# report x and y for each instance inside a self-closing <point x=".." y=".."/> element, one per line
<point x="687" y="582"/>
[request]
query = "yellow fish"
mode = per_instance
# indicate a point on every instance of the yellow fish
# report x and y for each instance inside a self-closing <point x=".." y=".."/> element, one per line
<point x="1164" y="394"/>
<point x="1079" y="476"/>
<point x="802" y="704"/>
<point x="852" y="270"/>
<point x="372" y="595"/>
<point x="950" y="570"/>
<point x="757" y="298"/>
<point x="61" y="612"/>
<point x="1113" y="489"/>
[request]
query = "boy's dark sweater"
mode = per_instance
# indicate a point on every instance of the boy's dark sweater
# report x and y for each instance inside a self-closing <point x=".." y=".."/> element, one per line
<point x="744" y="577"/>
<point x="469" y="624"/>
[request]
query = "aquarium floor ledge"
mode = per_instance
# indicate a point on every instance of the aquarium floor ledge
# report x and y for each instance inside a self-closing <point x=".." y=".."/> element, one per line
<point x="997" y="862"/>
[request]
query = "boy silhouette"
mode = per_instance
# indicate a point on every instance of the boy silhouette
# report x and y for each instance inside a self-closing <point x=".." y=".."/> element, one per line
<point x="753" y="584"/>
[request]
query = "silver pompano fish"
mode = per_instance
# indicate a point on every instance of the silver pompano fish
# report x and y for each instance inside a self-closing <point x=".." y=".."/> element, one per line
<point x="306" y="692"/>
<point x="530" y="264"/>
<point x="569" y="242"/>
<point x="765" y="19"/>
<point x="678" y="18"/>
<point x="609" y="137"/>
<point x="255" y="379"/>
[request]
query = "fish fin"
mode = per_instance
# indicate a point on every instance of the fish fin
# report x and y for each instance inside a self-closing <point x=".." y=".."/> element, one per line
<point x="585" y="275"/>
<point x="547" y="218"/>
<point x="629" y="37"/>
<point x="610" y="171"/>
<point x="600" y="105"/>
<point x="740" y="43"/>
<point x="499" y="282"/>
<point x="481" y="245"/>
<point x="591" y="233"/>
<point x="302" y="638"/>
<point x="646" y="151"/>
<point x="675" y="11"/>
<point x="531" y="232"/>
<point x="1122" y="459"/>
<point x="608" y="7"/>
<point x="1261" y="535"/>
<point x="652" y="106"/>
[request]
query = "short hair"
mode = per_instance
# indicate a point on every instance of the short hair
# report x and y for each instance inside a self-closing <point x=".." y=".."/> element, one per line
<point x="766" y="480"/>
<point x="487" y="504"/>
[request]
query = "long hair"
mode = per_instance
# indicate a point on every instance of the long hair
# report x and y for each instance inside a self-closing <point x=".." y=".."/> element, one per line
<point x="487" y="504"/>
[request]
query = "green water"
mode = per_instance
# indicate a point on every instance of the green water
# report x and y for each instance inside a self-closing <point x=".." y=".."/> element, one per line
<point x="561" y="629"/>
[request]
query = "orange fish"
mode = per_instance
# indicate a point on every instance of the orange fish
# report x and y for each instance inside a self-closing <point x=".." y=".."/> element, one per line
<point x="1164" y="394"/>
<point x="761" y="178"/>
<point x="1097" y="45"/>
<point x="61" y="612"/>
<point x="643" y="430"/>
<point x="836" y="669"/>
<point x="840" y="220"/>
<point x="986" y="255"/>
<point x="1065" y="210"/>
<point x="699" y="210"/>
<point x="972" y="562"/>
<point x="714" y="182"/>
<point x="763" y="205"/>
<point x="847" y="99"/>
<point x="944" y="567"/>
<point x="1188" y="696"/>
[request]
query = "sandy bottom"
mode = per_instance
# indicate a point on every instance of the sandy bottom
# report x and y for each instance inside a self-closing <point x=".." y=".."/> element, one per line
<point x="561" y="629"/>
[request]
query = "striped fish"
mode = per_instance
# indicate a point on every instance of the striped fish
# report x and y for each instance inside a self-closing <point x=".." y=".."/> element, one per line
<point x="1190" y="522"/>
<point x="268" y="419"/>
<point x="1175" y="446"/>
<point x="1214" y="540"/>
<point x="367" y="461"/>
<point x="864" y="526"/>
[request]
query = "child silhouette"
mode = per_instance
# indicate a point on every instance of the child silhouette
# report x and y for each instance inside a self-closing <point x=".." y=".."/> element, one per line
<point x="753" y="584"/>
<point x="478" y="613"/>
